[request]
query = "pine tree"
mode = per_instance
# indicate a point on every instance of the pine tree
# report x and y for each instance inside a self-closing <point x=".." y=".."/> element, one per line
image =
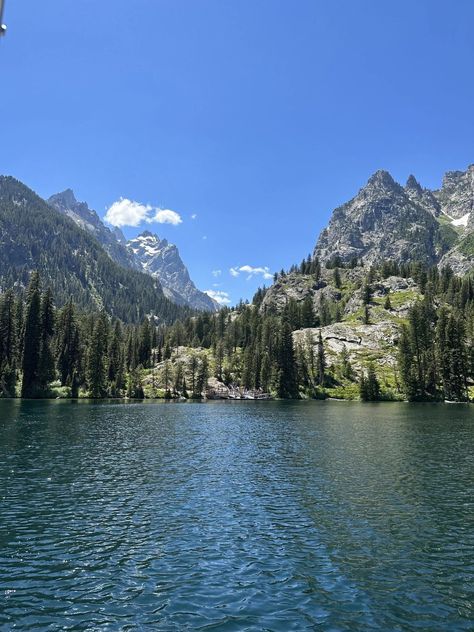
<point x="193" y="369"/>
<point x="96" y="369"/>
<point x="366" y="293"/>
<point x="46" y="368"/>
<point x="248" y="377"/>
<point x="8" y="345"/>
<point x="144" y="345"/>
<point x="32" y="340"/>
<point x="287" y="384"/>
<point x="116" y="375"/>
<point x="266" y="372"/>
<point x="68" y="346"/>
<point x="373" y="386"/>
<point x="202" y="376"/>
<point x="178" y="377"/>
<point x="307" y="313"/>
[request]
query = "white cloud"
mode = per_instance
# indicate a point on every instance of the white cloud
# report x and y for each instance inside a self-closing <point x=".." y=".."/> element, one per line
<point x="126" y="212"/>
<point x="216" y="273"/>
<point x="194" y="216"/>
<point x="219" y="296"/>
<point x="165" y="216"/>
<point x="252" y="271"/>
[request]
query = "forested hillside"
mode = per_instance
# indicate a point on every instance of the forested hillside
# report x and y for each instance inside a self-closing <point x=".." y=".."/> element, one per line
<point x="70" y="260"/>
<point x="394" y="332"/>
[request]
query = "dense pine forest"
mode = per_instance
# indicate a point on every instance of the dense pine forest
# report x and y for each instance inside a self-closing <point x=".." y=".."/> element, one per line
<point x="256" y="349"/>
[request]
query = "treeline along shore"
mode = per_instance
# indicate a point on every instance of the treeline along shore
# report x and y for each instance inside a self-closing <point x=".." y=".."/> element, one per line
<point x="387" y="332"/>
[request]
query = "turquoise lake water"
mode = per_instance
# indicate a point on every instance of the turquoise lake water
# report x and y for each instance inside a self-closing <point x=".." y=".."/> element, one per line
<point x="236" y="516"/>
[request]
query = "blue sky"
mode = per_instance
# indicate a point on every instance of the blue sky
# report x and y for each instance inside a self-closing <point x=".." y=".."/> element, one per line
<point x="257" y="117"/>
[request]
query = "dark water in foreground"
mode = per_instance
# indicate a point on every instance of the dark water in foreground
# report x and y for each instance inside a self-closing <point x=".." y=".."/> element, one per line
<point x="236" y="516"/>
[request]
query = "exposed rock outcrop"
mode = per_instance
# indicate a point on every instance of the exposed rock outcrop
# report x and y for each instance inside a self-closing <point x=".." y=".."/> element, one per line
<point x="384" y="221"/>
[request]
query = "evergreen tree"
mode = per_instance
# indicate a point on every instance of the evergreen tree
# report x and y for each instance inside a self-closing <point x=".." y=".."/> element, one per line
<point x="202" y="375"/>
<point x="116" y="376"/>
<point x="144" y="345"/>
<point x="32" y="339"/>
<point x="96" y="368"/>
<point x="307" y="313"/>
<point x="46" y="368"/>
<point x="266" y="372"/>
<point x="68" y="346"/>
<point x="8" y="345"/>
<point x="287" y="384"/>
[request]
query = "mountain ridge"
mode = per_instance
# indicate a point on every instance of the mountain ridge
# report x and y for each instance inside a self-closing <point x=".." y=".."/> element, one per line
<point x="385" y="220"/>
<point x="164" y="264"/>
<point x="34" y="236"/>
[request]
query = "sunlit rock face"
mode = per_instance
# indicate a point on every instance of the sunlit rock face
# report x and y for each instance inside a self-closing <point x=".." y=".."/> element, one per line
<point x="161" y="259"/>
<point x="384" y="221"/>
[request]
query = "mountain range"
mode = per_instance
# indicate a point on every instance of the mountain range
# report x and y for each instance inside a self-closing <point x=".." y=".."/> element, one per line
<point x="79" y="257"/>
<point x="147" y="252"/>
<point x="387" y="221"/>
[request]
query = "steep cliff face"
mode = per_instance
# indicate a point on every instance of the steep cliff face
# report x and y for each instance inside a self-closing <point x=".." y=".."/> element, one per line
<point x="161" y="260"/>
<point x="385" y="221"/>
<point x="422" y="197"/>
<point x="456" y="196"/>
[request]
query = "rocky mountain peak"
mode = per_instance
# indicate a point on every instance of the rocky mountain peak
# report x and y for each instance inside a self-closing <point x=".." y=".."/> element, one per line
<point x="413" y="185"/>
<point x="160" y="259"/>
<point x="87" y="219"/>
<point x="65" y="198"/>
<point x="381" y="178"/>
<point x="146" y="234"/>
<point x="456" y="195"/>
<point x="384" y="221"/>
<point x="421" y="196"/>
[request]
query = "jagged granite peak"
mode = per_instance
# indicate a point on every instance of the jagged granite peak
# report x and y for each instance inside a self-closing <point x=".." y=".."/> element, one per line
<point x="456" y="196"/>
<point x="162" y="260"/>
<point x="381" y="179"/>
<point x="383" y="221"/>
<point x="87" y="219"/>
<point x="413" y="185"/>
<point x="422" y="196"/>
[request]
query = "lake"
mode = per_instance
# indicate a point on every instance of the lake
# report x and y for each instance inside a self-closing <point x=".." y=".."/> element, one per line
<point x="236" y="516"/>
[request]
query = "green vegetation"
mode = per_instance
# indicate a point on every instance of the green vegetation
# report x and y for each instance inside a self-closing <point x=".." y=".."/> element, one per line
<point x="466" y="245"/>
<point x="393" y="332"/>
<point x="70" y="261"/>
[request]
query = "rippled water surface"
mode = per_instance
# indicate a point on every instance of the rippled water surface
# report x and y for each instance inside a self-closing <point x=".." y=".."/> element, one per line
<point x="236" y="516"/>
